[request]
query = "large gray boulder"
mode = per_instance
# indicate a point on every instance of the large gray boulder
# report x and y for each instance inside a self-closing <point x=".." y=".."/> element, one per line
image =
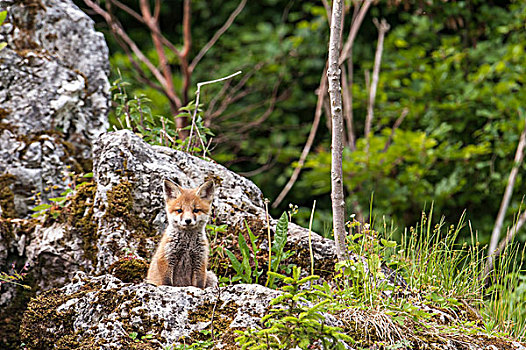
<point x="54" y="98"/>
<point x="103" y="312"/>
<point x="129" y="170"/>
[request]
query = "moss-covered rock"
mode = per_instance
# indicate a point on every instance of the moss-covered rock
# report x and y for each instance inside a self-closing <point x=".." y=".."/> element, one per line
<point x="104" y="310"/>
<point x="129" y="269"/>
<point x="7" y="197"/>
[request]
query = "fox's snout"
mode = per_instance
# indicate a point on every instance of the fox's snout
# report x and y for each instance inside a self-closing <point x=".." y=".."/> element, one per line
<point x="186" y="219"/>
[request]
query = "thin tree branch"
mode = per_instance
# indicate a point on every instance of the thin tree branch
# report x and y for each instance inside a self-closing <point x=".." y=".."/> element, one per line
<point x="495" y="235"/>
<point x="187" y="40"/>
<point x="218" y="34"/>
<point x="118" y="30"/>
<point x="383" y="27"/>
<point x="347" y="109"/>
<point x="503" y="244"/>
<point x="268" y="111"/>
<point x="269" y="164"/>
<point x="153" y="24"/>
<point x="396" y="125"/>
<point x="356" y="23"/>
<point x="310" y="140"/>
<point x="197" y="93"/>
<point x="139" y="18"/>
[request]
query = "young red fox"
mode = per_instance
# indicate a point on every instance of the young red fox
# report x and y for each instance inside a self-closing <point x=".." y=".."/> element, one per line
<point x="182" y="256"/>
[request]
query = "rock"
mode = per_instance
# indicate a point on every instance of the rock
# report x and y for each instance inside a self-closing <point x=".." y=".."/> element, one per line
<point x="129" y="209"/>
<point x="54" y="97"/>
<point x="54" y="100"/>
<point x="104" y="311"/>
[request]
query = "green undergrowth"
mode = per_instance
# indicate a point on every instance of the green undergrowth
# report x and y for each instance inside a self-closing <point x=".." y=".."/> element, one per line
<point x="439" y="296"/>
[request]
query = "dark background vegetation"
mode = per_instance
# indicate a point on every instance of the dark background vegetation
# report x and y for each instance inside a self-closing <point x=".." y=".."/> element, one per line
<point x="457" y="66"/>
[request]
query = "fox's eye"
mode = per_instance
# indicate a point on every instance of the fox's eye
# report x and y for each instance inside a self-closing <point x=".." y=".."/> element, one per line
<point x="196" y="210"/>
<point x="178" y="211"/>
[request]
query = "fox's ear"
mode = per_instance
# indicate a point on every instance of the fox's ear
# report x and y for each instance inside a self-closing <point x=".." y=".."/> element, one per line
<point x="171" y="190"/>
<point x="206" y="190"/>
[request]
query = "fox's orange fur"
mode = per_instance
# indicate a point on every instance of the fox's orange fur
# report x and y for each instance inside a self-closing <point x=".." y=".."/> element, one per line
<point x="181" y="258"/>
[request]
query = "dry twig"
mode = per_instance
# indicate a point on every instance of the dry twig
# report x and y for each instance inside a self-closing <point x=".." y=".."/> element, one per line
<point x="495" y="235"/>
<point x="306" y="149"/>
<point x="383" y="27"/>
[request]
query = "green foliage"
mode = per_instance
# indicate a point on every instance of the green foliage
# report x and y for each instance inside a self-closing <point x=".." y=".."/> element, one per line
<point x="135" y="114"/>
<point x="139" y="339"/>
<point x="15" y="277"/>
<point x="292" y="322"/>
<point x="464" y="89"/>
<point x="55" y="208"/>
<point x="277" y="247"/>
<point x="3" y="16"/>
<point x="248" y="272"/>
<point x="244" y="271"/>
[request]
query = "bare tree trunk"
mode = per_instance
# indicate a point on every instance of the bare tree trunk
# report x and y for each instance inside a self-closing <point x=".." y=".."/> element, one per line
<point x="333" y="74"/>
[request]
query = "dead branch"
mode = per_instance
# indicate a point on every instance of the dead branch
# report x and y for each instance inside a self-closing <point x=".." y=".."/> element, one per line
<point x="153" y="24"/>
<point x="268" y="111"/>
<point x="139" y="18"/>
<point x="118" y="30"/>
<point x="269" y="164"/>
<point x="218" y="34"/>
<point x="347" y="108"/>
<point x="396" y="125"/>
<point x="356" y="23"/>
<point x="306" y="149"/>
<point x="197" y="93"/>
<point x="187" y="44"/>
<point x="383" y="27"/>
<point x="495" y="235"/>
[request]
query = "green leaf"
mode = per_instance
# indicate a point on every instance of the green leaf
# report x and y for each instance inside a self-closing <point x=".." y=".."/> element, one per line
<point x="3" y="15"/>
<point x="41" y="207"/>
<point x="235" y="263"/>
<point x="245" y="251"/>
<point x="2" y="46"/>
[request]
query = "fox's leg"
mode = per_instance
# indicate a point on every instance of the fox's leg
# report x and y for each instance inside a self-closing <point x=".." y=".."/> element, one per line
<point x="199" y="276"/>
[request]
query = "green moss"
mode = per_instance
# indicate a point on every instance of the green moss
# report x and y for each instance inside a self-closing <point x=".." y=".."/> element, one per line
<point x="79" y="215"/>
<point x="120" y="200"/>
<point x="223" y="317"/>
<point x="11" y="316"/>
<point x="7" y="197"/>
<point x="4" y="113"/>
<point x="42" y="325"/>
<point x="129" y="270"/>
<point x="120" y="205"/>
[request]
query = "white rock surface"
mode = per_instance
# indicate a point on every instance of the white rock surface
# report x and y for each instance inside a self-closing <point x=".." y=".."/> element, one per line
<point x="54" y="94"/>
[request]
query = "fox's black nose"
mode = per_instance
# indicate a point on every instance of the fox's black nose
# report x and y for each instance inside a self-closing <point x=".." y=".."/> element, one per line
<point x="188" y="221"/>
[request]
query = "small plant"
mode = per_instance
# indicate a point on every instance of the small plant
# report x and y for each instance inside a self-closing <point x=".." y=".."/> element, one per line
<point x="58" y="203"/>
<point x="244" y="271"/>
<point x="293" y="322"/>
<point x="278" y="246"/>
<point x="3" y="16"/>
<point x="135" y="114"/>
<point x="15" y="277"/>
<point x="135" y="337"/>
<point x="195" y="345"/>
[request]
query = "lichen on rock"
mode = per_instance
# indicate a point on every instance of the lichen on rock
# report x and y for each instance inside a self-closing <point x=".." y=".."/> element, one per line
<point x="54" y="94"/>
<point x="105" y="311"/>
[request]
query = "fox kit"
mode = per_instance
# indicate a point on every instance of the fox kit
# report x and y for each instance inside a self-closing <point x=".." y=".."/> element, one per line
<point x="182" y="256"/>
